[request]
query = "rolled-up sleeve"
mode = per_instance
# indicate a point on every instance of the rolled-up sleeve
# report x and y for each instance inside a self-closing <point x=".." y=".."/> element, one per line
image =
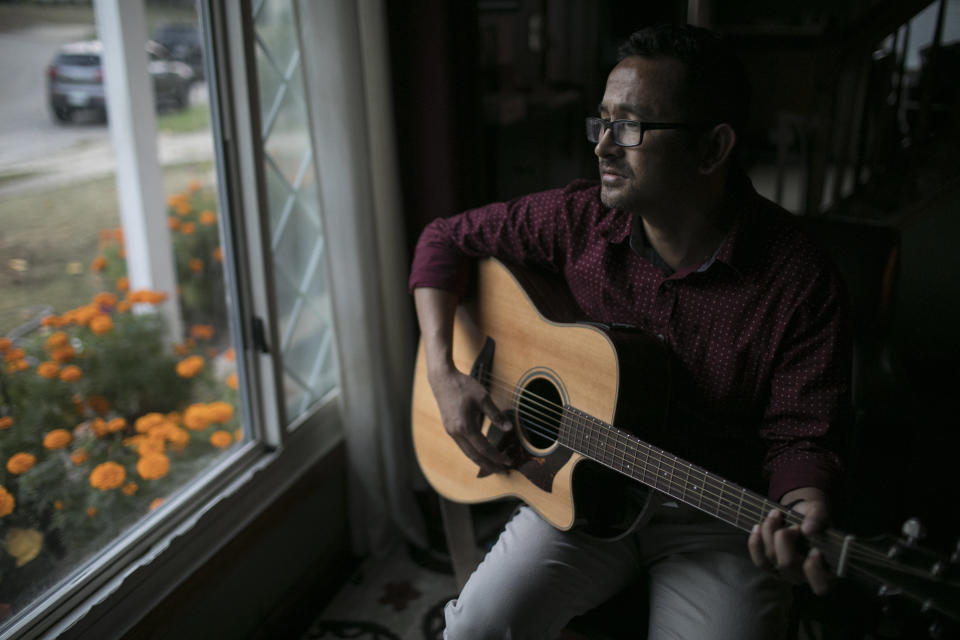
<point x="809" y="394"/>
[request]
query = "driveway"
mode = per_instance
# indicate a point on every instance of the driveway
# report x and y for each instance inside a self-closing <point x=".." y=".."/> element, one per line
<point x="37" y="153"/>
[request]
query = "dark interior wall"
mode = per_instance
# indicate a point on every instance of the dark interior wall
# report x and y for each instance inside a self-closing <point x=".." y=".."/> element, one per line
<point x="268" y="581"/>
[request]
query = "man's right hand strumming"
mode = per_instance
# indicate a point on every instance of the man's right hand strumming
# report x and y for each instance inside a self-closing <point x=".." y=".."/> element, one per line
<point x="463" y="402"/>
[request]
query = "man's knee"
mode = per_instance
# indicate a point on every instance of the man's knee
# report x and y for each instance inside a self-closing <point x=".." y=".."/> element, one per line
<point x="475" y="623"/>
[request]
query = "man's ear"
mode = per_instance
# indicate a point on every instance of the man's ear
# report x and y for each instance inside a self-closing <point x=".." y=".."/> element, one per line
<point x="719" y="143"/>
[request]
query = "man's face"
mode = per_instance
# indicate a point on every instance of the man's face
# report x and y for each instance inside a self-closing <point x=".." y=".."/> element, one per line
<point x="655" y="173"/>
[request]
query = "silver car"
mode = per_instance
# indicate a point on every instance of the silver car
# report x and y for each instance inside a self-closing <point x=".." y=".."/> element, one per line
<point x="75" y="79"/>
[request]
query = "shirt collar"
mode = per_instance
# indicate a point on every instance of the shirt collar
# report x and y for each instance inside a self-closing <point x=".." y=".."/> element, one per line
<point x="733" y="251"/>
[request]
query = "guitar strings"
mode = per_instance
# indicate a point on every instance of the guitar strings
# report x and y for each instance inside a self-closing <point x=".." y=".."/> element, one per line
<point x="757" y="506"/>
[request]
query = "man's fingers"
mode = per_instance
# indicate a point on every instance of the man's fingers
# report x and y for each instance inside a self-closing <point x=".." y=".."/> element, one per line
<point x="768" y="528"/>
<point x="487" y="451"/>
<point x="496" y="416"/>
<point x="816" y="573"/>
<point x="785" y="546"/>
<point x="755" y="546"/>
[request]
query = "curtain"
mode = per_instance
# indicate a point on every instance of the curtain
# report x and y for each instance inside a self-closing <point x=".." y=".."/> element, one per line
<point x="350" y="109"/>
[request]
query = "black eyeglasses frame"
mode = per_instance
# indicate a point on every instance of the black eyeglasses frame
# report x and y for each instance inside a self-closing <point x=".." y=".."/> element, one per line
<point x="644" y="127"/>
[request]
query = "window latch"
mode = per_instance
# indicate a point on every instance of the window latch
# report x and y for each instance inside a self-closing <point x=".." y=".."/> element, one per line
<point x="260" y="336"/>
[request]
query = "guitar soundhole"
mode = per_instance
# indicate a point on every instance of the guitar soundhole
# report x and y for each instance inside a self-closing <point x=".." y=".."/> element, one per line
<point x="538" y="413"/>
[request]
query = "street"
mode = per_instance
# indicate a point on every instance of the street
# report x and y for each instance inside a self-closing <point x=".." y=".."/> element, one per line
<point x="36" y="152"/>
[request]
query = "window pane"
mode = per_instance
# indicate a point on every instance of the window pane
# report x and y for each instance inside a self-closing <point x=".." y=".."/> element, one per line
<point x="303" y="301"/>
<point x="104" y="413"/>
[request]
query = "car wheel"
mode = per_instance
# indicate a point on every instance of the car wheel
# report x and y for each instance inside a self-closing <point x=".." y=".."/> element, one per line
<point x="62" y="114"/>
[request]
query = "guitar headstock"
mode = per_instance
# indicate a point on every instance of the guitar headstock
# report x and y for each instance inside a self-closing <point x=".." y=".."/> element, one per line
<point x="903" y="568"/>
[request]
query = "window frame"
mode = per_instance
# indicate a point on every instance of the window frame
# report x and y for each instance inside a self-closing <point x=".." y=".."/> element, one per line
<point x="110" y="593"/>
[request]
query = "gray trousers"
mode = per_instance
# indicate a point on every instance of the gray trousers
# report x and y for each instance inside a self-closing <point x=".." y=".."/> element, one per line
<point x="702" y="582"/>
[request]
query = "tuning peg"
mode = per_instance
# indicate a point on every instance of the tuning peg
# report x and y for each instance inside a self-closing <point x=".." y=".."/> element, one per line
<point x="913" y="530"/>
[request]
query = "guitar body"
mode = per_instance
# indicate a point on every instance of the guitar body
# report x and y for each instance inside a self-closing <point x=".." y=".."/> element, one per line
<point x="541" y="362"/>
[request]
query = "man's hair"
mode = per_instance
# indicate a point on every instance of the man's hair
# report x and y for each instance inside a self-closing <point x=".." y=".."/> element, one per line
<point x="715" y="87"/>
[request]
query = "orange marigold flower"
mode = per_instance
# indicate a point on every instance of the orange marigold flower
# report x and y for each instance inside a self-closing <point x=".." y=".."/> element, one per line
<point x="196" y="417"/>
<point x="221" y="439"/>
<point x="71" y="373"/>
<point x="174" y="199"/>
<point x="129" y="489"/>
<point x="190" y="367"/>
<point x="63" y="354"/>
<point x="123" y="284"/>
<point x="182" y="348"/>
<point x="156" y="503"/>
<point x="91" y="511"/>
<point x="107" y="475"/>
<point x="7" y="503"/>
<point x="153" y="466"/>
<point x="123" y="306"/>
<point x="218" y="254"/>
<point x="145" y="444"/>
<point x="48" y="370"/>
<point x="232" y="381"/>
<point x="57" y="439"/>
<point x="187" y="228"/>
<point x="99" y="404"/>
<point x="173" y="223"/>
<point x="12" y="355"/>
<point x="208" y="217"/>
<point x="58" y="504"/>
<point x="105" y="299"/>
<point x="238" y="435"/>
<point x="5" y="344"/>
<point x="98" y="263"/>
<point x="6" y="422"/>
<point x="116" y="424"/>
<point x="196" y="265"/>
<point x="183" y="208"/>
<point x="56" y="340"/>
<point x="147" y="420"/>
<point x="51" y="321"/>
<point x="99" y="426"/>
<point x="79" y="456"/>
<point x="219" y="411"/>
<point x="202" y="331"/>
<point x="177" y="437"/>
<point x="21" y="463"/>
<point x="101" y="324"/>
<point x="193" y="186"/>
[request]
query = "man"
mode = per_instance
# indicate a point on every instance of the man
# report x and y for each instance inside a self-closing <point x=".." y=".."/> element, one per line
<point x="674" y="241"/>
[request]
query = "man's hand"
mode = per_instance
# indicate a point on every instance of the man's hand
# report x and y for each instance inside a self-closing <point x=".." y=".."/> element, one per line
<point x="773" y="543"/>
<point x="463" y="402"/>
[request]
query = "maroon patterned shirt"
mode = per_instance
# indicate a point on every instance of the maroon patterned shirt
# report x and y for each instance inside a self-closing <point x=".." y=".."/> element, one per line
<point x="758" y="331"/>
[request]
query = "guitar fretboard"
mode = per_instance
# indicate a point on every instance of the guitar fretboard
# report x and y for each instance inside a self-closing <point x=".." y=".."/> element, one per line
<point x="665" y="472"/>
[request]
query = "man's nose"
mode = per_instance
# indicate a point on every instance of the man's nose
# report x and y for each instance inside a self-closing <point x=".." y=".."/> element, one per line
<point x="605" y="145"/>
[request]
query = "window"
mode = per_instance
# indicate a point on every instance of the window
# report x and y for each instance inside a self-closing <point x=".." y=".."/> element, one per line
<point x="137" y="372"/>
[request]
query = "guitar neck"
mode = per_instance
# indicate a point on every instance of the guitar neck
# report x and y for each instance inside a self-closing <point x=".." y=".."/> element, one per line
<point x="665" y="472"/>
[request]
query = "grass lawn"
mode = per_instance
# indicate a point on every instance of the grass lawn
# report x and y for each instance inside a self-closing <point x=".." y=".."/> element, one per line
<point x="193" y="118"/>
<point x="48" y="240"/>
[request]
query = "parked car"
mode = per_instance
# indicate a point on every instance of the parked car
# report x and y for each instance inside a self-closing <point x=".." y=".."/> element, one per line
<point x="182" y="40"/>
<point x="75" y="79"/>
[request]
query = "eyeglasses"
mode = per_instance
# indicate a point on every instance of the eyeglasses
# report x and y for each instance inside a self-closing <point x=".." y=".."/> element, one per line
<point x="629" y="133"/>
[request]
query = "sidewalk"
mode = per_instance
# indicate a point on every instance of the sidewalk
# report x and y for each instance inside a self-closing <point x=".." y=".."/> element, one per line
<point x="96" y="159"/>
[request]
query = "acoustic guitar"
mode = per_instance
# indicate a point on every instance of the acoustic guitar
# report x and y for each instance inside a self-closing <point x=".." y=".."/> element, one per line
<point x="566" y="385"/>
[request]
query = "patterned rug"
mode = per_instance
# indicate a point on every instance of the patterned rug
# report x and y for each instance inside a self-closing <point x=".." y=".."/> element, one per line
<point x="396" y="597"/>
